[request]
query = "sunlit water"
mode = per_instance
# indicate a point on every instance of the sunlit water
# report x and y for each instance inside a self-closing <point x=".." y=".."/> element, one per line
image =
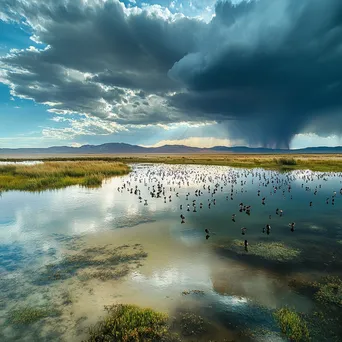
<point x="37" y="229"/>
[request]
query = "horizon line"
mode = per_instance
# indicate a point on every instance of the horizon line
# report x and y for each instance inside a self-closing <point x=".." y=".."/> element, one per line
<point x="169" y="145"/>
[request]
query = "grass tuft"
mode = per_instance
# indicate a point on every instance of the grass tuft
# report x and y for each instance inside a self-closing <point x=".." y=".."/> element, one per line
<point x="286" y="161"/>
<point x="133" y="324"/>
<point x="292" y="325"/>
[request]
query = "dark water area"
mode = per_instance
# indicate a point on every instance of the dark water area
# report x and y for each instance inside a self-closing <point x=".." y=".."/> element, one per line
<point x="57" y="248"/>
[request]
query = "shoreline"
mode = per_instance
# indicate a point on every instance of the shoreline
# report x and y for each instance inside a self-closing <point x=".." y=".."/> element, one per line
<point x="62" y="171"/>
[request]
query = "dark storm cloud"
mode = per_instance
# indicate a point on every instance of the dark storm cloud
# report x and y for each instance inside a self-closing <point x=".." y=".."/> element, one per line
<point x="276" y="64"/>
<point x="265" y="69"/>
<point x="114" y="50"/>
<point x="152" y="82"/>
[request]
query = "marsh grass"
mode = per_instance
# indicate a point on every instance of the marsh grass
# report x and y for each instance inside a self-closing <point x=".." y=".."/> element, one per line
<point x="286" y="161"/>
<point x="324" y="163"/>
<point x="58" y="174"/>
<point x="26" y="315"/>
<point x="327" y="290"/>
<point x="280" y="162"/>
<point x="103" y="263"/>
<point x="292" y="325"/>
<point x="133" y="324"/>
<point x="272" y="251"/>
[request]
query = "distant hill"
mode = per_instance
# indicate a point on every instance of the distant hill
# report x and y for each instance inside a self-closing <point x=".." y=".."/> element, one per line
<point x="121" y="148"/>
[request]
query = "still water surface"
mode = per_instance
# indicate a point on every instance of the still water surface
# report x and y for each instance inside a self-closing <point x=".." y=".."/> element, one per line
<point x="38" y="229"/>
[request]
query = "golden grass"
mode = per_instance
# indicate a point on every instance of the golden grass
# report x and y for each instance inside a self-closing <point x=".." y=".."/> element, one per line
<point x="58" y="174"/>
<point x="314" y="162"/>
<point x="90" y="170"/>
<point x="324" y="163"/>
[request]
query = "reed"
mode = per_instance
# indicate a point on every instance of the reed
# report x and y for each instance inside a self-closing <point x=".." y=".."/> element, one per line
<point x="58" y="174"/>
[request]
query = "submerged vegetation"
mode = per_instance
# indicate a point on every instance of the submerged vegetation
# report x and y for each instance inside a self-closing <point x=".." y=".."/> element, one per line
<point x="327" y="290"/>
<point x="28" y="315"/>
<point x="103" y="263"/>
<point x="292" y="325"/>
<point x="327" y="293"/>
<point x="192" y="324"/>
<point x="272" y="251"/>
<point x="58" y="174"/>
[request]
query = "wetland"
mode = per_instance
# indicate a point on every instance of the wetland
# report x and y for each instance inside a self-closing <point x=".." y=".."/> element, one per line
<point x="80" y="261"/>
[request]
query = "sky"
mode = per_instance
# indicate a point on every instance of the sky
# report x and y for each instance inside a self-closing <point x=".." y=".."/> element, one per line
<point x="199" y="73"/>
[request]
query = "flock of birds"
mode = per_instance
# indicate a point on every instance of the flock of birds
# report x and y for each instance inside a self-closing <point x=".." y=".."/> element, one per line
<point x="164" y="182"/>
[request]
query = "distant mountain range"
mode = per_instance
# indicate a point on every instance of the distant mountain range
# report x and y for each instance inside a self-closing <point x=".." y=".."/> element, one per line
<point x="121" y="148"/>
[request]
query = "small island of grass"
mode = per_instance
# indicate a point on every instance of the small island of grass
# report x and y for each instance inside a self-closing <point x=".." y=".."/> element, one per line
<point x="271" y="251"/>
<point x="58" y="174"/>
<point x="292" y="325"/>
<point x="131" y="323"/>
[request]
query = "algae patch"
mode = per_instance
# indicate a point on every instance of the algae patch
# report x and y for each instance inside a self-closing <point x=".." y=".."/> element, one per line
<point x="272" y="251"/>
<point x="103" y="263"/>
<point x="27" y="315"/>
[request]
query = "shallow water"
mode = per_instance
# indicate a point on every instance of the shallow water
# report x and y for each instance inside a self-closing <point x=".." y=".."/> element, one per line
<point x="240" y="290"/>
